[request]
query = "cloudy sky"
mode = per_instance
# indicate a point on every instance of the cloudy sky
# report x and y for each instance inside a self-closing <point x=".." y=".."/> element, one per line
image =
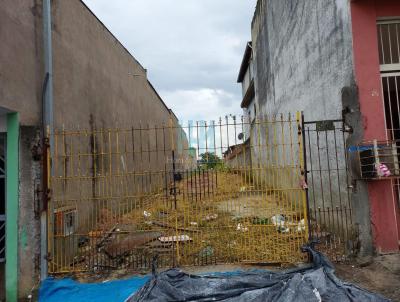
<point x="191" y="48"/>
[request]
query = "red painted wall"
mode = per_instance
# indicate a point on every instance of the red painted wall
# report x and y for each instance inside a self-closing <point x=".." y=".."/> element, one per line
<point x="384" y="209"/>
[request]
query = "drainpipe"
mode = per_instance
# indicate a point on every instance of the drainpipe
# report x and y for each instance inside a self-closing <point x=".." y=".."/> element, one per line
<point x="47" y="132"/>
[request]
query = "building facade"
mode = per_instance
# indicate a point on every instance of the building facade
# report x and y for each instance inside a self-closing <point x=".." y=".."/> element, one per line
<point x="339" y="61"/>
<point x="97" y="84"/>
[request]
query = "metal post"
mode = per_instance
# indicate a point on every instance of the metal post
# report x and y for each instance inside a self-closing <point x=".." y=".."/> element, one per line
<point x="47" y="130"/>
<point x="303" y="171"/>
<point x="303" y="129"/>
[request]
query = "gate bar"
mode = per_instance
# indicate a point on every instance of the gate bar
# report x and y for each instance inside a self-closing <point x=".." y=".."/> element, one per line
<point x="303" y="123"/>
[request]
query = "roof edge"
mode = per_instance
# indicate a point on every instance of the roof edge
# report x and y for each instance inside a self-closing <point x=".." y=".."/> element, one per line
<point x="245" y="62"/>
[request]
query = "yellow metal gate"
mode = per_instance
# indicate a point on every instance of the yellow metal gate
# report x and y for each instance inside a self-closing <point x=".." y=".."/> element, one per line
<point x="226" y="191"/>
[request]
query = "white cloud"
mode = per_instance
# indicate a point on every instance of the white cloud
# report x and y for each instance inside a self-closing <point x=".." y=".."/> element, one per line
<point x="190" y="47"/>
<point x="203" y="104"/>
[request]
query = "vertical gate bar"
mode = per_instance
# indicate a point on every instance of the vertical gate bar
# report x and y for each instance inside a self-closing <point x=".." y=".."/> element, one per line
<point x="110" y="164"/>
<point x="174" y="188"/>
<point x="339" y="220"/>
<point x="72" y="175"/>
<point x="306" y="174"/>
<point x="286" y="201"/>
<point x="347" y="171"/>
<point x="79" y="180"/>
<point x="141" y="160"/>
<point x="267" y="169"/>
<point x="214" y="256"/>
<point x="165" y="165"/>
<point x="299" y="118"/>
<point x="258" y="184"/>
<point x="329" y="179"/>
<point x="241" y="166"/>
<point x="149" y="176"/>
<point x="312" y="178"/>
<point x="198" y="153"/>
<point x="222" y="148"/>
<point x="291" y="161"/>
<point x="48" y="188"/>
<point x="320" y="176"/>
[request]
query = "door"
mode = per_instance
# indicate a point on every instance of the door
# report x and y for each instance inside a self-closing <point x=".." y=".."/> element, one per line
<point x="2" y="214"/>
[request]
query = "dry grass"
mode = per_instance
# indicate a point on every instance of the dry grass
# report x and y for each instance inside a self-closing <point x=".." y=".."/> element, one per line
<point x="230" y="222"/>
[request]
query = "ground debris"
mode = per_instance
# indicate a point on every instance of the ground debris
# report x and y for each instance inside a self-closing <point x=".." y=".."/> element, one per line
<point x="200" y="225"/>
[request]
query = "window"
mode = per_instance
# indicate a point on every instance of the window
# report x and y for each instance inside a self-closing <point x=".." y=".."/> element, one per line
<point x="389" y="45"/>
<point x="246" y="82"/>
<point x="389" y="58"/>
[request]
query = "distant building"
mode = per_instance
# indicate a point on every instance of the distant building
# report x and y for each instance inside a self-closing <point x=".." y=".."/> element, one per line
<point x="237" y="157"/>
<point x="246" y="79"/>
<point x="240" y="155"/>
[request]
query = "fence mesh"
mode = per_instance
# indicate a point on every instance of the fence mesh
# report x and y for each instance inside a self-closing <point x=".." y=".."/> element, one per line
<point x="226" y="191"/>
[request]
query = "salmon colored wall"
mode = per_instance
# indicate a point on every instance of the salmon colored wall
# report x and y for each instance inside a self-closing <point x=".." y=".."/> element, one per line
<point x="384" y="208"/>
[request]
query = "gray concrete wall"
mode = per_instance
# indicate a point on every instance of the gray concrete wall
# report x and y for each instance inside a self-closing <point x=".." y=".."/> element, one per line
<point x="304" y="62"/>
<point x="20" y="59"/>
<point x="303" y="56"/>
<point x="95" y="76"/>
<point x="97" y="84"/>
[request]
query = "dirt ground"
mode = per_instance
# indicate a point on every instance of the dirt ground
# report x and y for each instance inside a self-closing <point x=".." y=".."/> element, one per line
<point x="380" y="275"/>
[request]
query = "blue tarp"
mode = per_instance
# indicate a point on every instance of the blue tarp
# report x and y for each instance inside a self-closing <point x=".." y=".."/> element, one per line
<point x="313" y="283"/>
<point x="66" y="290"/>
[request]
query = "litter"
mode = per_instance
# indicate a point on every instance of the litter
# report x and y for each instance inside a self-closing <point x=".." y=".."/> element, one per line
<point x="317" y="294"/>
<point x="211" y="217"/>
<point x="279" y="221"/>
<point x="301" y="227"/>
<point x="175" y="238"/>
<point x="241" y="227"/>
<point x="382" y="170"/>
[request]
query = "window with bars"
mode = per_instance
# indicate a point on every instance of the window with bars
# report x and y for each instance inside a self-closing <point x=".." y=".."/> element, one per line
<point x="389" y="45"/>
<point x="389" y="58"/>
